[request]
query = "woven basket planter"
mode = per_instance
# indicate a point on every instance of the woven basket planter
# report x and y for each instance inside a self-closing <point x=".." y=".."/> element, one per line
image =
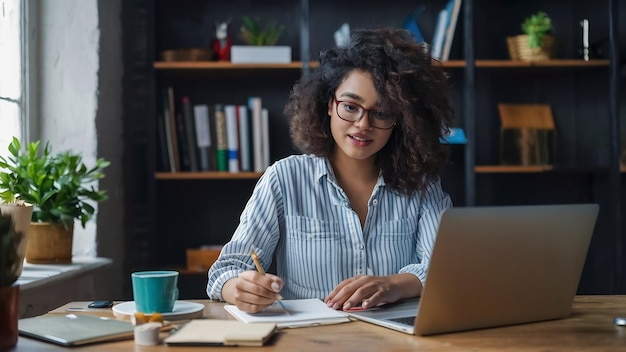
<point x="49" y="243"/>
<point x="519" y="50"/>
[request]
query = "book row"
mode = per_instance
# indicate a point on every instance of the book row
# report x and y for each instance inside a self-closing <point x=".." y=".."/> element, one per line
<point x="213" y="137"/>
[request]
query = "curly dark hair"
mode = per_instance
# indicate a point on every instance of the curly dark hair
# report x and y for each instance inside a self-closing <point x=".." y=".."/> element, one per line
<point x="409" y="84"/>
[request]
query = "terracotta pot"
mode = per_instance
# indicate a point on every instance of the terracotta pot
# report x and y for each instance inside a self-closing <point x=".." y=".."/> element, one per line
<point x="49" y="243"/>
<point x="9" y="307"/>
<point x="21" y="219"/>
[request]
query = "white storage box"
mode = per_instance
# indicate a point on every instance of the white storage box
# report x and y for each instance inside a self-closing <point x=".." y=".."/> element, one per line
<point x="246" y="54"/>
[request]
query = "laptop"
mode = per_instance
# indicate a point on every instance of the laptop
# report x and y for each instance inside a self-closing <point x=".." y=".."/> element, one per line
<point x="497" y="266"/>
<point x="75" y="329"/>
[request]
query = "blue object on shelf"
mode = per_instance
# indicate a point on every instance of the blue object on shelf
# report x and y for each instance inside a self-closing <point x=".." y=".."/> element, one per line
<point x="456" y="136"/>
<point x="411" y="25"/>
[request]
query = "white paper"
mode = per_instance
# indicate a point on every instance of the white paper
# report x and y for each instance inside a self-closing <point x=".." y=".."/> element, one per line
<point x="302" y="312"/>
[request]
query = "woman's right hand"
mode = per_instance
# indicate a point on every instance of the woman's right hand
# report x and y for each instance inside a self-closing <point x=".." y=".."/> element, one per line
<point x="252" y="291"/>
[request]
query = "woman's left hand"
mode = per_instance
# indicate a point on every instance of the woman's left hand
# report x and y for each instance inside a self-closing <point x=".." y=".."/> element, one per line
<point x="372" y="291"/>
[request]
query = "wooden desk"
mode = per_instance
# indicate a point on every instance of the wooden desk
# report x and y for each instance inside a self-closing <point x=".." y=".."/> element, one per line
<point x="590" y="328"/>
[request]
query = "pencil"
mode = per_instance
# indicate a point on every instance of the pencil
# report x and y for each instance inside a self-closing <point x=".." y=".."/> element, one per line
<point x="255" y="258"/>
<point x="259" y="268"/>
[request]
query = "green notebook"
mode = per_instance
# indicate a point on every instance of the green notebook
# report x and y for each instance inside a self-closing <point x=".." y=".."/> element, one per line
<point x="75" y="329"/>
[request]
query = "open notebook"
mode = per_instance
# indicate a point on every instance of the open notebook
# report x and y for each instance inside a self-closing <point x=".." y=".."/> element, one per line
<point x="495" y="266"/>
<point x="300" y="312"/>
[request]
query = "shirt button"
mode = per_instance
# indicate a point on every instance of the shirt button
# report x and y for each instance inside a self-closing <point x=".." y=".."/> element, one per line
<point x="360" y="247"/>
<point x="375" y="202"/>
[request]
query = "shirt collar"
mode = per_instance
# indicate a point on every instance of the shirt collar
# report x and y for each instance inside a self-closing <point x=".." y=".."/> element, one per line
<point x="324" y="169"/>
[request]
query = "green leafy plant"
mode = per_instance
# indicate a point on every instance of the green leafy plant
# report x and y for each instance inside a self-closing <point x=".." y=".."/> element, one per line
<point x="252" y="33"/>
<point x="536" y="26"/>
<point x="56" y="184"/>
<point x="9" y="258"/>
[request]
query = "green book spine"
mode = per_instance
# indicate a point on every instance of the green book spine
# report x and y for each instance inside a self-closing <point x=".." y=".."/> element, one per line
<point x="222" y="160"/>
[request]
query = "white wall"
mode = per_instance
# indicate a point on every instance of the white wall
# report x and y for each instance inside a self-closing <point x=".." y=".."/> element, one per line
<point x="67" y="48"/>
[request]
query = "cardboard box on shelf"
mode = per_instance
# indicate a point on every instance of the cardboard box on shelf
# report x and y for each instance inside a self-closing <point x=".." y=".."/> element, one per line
<point x="528" y="134"/>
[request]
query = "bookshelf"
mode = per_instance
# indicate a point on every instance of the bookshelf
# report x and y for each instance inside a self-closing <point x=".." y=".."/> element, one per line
<point x="582" y="94"/>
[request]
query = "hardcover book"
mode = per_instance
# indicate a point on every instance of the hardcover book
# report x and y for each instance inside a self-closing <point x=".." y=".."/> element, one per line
<point x="203" y="136"/>
<point x="453" y="8"/>
<point x="221" y="138"/>
<point x="232" y="137"/>
<point x="207" y="332"/>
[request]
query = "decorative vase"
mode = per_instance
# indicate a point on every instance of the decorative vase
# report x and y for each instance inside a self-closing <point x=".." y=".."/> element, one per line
<point x="9" y="310"/>
<point x="21" y="214"/>
<point x="49" y="243"/>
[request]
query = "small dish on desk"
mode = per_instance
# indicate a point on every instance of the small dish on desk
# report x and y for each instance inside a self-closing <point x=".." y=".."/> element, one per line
<point x="183" y="310"/>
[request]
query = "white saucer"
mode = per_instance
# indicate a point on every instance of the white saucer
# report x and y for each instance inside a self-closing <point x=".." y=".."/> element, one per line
<point x="183" y="310"/>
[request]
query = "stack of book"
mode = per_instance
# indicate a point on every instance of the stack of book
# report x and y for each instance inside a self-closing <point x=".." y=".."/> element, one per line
<point x="213" y="137"/>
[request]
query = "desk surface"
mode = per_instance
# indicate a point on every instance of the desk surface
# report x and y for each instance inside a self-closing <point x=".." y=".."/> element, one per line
<point x="589" y="328"/>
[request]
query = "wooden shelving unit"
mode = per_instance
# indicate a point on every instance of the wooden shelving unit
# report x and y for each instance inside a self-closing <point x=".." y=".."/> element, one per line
<point x="525" y="169"/>
<point x="555" y="63"/>
<point x="512" y="169"/>
<point x="225" y="65"/>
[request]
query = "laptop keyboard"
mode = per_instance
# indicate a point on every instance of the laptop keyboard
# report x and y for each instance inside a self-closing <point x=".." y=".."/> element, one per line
<point x="404" y="320"/>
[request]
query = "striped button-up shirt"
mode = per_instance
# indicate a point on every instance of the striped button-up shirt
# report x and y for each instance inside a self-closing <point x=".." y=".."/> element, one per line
<point x="299" y="216"/>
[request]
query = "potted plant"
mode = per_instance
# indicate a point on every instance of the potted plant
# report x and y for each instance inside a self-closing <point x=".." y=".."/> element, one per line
<point x="536" y="43"/>
<point x="260" y="43"/>
<point x="10" y="270"/>
<point x="60" y="187"/>
<point x="21" y="213"/>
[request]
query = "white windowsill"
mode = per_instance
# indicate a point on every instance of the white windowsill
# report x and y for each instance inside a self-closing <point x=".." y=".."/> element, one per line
<point x="35" y="275"/>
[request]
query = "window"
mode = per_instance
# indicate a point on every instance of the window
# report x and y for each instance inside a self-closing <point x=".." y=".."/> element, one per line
<point x="11" y="73"/>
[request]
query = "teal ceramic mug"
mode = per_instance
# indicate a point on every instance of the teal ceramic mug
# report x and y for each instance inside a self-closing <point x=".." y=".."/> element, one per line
<point x="155" y="291"/>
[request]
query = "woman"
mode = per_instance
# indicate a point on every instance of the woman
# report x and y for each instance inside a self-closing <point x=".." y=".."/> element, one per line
<point x="354" y="219"/>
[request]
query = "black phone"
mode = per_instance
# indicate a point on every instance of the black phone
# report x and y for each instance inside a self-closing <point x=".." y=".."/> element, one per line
<point x="100" y="304"/>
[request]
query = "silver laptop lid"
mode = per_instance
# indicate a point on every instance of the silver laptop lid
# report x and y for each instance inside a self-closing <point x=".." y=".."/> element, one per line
<point x="494" y="266"/>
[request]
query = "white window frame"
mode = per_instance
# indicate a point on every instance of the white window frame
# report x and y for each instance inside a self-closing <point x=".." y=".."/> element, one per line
<point x="25" y="102"/>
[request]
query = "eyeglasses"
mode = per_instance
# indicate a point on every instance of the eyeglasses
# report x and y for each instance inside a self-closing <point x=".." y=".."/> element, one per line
<point x="352" y="112"/>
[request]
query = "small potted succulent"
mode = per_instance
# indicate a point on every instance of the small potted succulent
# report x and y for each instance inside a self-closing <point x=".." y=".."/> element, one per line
<point x="252" y="33"/>
<point x="61" y="189"/>
<point x="537" y="42"/>
<point x="260" y="43"/>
